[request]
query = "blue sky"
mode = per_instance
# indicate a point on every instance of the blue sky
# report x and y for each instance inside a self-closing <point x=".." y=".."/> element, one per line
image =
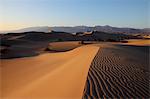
<point x="16" y="14"/>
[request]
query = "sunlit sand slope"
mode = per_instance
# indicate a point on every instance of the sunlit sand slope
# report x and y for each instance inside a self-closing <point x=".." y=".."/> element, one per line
<point x="48" y="76"/>
<point x="119" y="71"/>
<point x="143" y="42"/>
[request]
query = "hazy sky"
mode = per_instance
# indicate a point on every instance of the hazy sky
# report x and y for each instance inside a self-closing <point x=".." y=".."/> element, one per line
<point x="16" y="14"/>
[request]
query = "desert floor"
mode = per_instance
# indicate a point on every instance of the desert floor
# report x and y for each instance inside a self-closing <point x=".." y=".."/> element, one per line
<point x="89" y="71"/>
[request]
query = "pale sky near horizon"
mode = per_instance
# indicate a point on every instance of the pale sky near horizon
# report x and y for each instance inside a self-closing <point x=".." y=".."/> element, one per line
<point x="16" y="14"/>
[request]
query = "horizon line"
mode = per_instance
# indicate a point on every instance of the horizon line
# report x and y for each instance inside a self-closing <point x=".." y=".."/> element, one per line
<point x="72" y="26"/>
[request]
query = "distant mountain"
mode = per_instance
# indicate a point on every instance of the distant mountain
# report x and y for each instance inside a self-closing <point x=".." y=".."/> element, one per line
<point x="75" y="29"/>
<point x="38" y="29"/>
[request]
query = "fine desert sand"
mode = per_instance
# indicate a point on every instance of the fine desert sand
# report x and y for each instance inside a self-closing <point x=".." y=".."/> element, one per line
<point x="63" y="46"/>
<point x="100" y="70"/>
<point x="52" y="75"/>
<point x="137" y="42"/>
<point x="119" y="71"/>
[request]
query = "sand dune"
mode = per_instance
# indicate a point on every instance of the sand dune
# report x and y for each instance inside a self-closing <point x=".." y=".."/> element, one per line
<point x="63" y="46"/>
<point x="119" y="71"/>
<point x="116" y="71"/>
<point x="28" y="49"/>
<point x="48" y="76"/>
<point x="142" y="42"/>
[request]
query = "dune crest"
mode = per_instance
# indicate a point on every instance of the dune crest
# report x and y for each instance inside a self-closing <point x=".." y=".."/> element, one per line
<point x="52" y="75"/>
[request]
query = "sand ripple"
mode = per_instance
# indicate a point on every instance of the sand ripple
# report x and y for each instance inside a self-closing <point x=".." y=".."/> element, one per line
<point x="116" y="72"/>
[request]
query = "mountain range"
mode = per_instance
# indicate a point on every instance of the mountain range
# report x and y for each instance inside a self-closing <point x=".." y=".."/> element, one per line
<point x="76" y="29"/>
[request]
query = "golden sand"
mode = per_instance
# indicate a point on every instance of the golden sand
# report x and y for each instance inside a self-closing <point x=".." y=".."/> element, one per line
<point x="52" y="75"/>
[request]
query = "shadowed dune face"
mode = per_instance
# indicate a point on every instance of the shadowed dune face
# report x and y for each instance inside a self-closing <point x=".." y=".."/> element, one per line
<point x="20" y="49"/>
<point x="29" y="43"/>
<point x="33" y="43"/>
<point x="119" y="71"/>
<point x="51" y="75"/>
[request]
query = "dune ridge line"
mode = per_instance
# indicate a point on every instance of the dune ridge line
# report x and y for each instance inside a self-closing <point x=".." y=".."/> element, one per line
<point x="52" y="75"/>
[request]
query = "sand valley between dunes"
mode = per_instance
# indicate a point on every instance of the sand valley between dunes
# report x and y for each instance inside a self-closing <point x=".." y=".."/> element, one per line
<point x="52" y="75"/>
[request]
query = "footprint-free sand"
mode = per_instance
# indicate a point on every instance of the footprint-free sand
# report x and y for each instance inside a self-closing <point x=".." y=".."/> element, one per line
<point x="103" y="70"/>
<point x="51" y="75"/>
<point x="119" y="71"/>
